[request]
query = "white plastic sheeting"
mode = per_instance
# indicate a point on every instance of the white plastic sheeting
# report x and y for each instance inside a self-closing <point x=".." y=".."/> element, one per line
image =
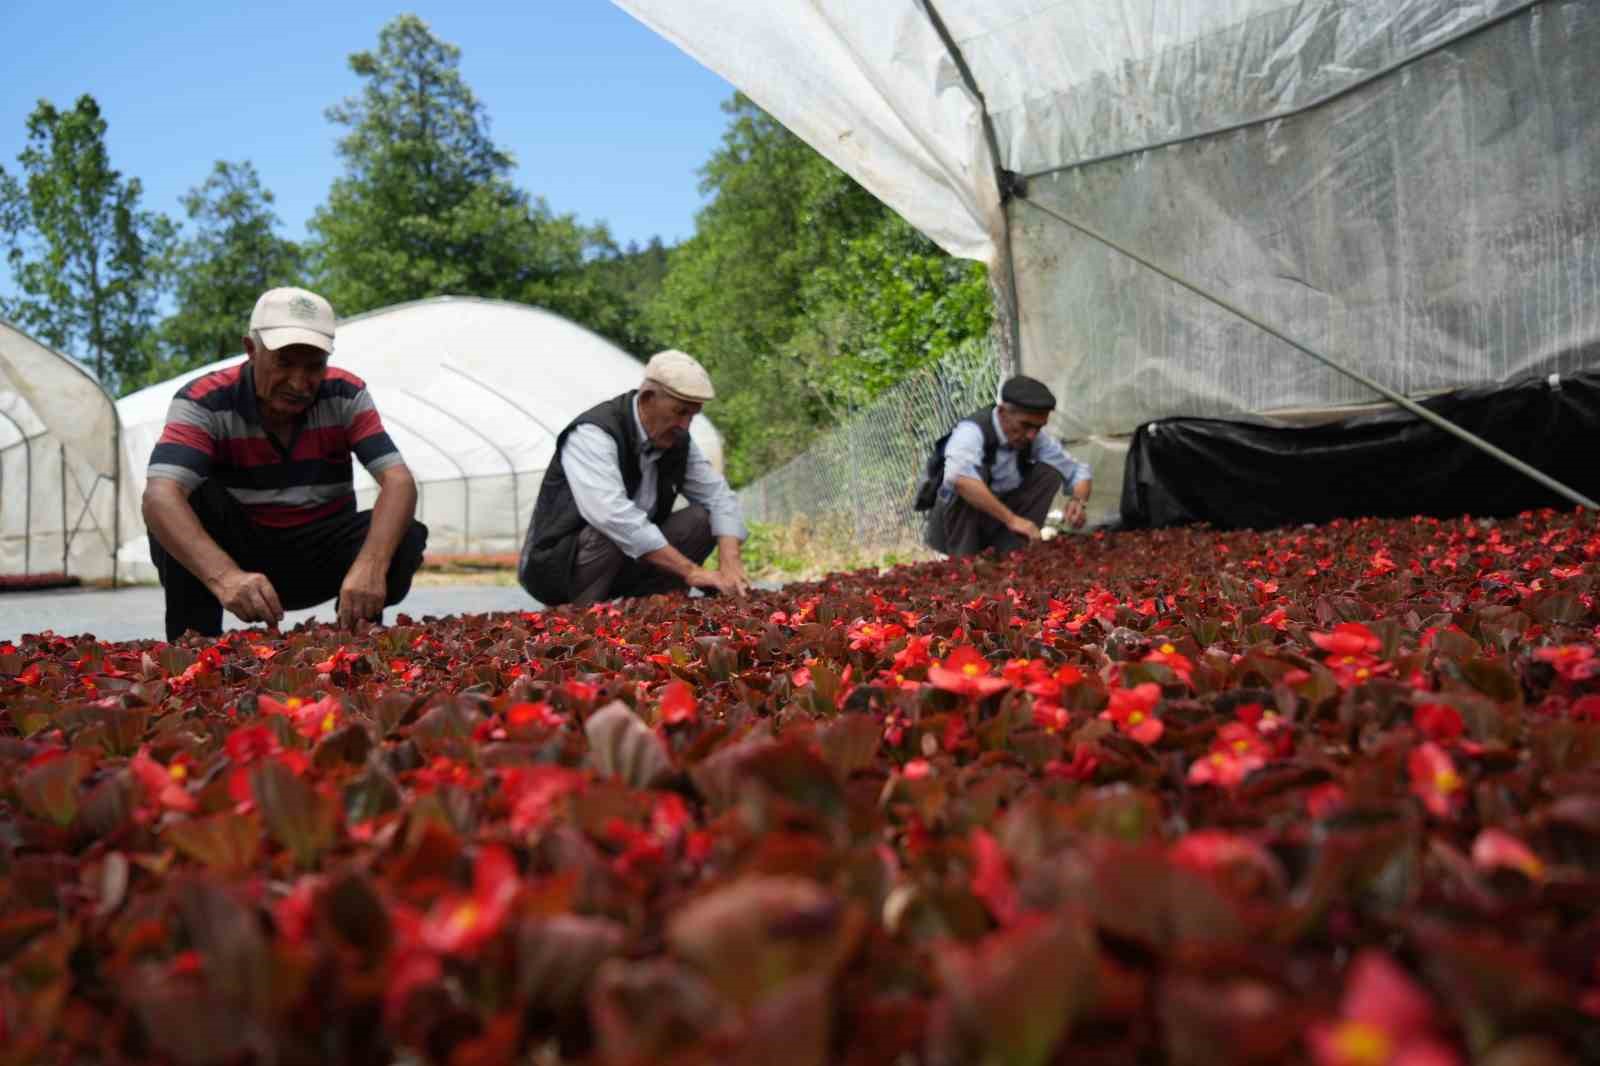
<point x="473" y="393"/>
<point x="1412" y="186"/>
<point x="57" y="463"/>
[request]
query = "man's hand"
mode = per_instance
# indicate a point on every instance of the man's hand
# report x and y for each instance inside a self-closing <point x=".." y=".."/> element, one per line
<point x="1023" y="528"/>
<point x="717" y="581"/>
<point x="362" y="594"/>
<point x="248" y="596"/>
<point x="1076" y="513"/>
<point x="733" y="571"/>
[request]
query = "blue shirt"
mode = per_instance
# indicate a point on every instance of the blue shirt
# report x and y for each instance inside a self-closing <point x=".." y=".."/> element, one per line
<point x="963" y="457"/>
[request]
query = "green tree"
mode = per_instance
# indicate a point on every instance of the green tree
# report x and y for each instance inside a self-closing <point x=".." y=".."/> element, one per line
<point x="426" y="204"/>
<point x="88" y="262"/>
<point x="803" y="295"/>
<point x="231" y="256"/>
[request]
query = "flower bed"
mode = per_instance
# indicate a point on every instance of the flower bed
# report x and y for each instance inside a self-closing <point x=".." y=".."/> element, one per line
<point x="35" y="582"/>
<point x="1325" y="795"/>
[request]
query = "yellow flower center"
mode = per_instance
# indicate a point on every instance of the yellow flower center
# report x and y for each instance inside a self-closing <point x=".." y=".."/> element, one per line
<point x="1241" y="746"/>
<point x="1167" y="649"/>
<point x="328" y="722"/>
<point x="1446" y="781"/>
<point x="971" y="670"/>
<point x="294" y="703"/>
<point x="1135" y="718"/>
<point x="1363" y="673"/>
<point x="464" y="917"/>
<point x="178" y="772"/>
<point x="1363" y="1044"/>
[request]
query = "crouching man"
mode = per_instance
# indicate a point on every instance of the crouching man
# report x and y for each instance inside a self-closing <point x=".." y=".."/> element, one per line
<point x="1001" y="473"/>
<point x="604" y="524"/>
<point x="250" y="500"/>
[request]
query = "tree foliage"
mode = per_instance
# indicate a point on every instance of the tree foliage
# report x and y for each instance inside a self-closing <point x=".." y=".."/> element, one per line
<point x="426" y="204"/>
<point x="87" y="260"/>
<point x="232" y="253"/>
<point x="802" y="294"/>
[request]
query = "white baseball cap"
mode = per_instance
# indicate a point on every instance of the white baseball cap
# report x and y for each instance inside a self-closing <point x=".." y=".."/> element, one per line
<point x="679" y="375"/>
<point x="293" y="316"/>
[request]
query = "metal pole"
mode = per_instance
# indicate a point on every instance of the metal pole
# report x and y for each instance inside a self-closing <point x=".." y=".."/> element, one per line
<point x="27" y="499"/>
<point x="1003" y="187"/>
<point x="466" y="487"/>
<point x="116" y="493"/>
<point x="1387" y="393"/>
<point x="66" y="541"/>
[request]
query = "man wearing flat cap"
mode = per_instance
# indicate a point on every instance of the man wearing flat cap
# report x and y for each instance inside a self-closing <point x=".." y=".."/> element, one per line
<point x="1000" y="474"/>
<point x="250" y="496"/>
<point x="604" y="525"/>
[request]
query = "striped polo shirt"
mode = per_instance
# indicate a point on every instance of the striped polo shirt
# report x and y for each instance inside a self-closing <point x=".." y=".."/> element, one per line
<point x="214" y="430"/>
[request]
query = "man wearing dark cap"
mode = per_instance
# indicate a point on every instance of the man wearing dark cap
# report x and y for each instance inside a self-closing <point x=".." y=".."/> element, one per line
<point x="1000" y="474"/>
<point x="604" y="525"/>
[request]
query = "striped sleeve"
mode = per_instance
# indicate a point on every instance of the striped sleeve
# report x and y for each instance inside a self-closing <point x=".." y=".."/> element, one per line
<point x="369" y="441"/>
<point x="187" y="446"/>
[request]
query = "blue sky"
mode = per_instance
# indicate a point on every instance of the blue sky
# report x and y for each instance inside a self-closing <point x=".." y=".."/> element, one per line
<point x="605" y="119"/>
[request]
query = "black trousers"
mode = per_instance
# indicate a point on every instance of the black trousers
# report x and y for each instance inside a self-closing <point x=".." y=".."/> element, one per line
<point x="306" y="564"/>
<point x="955" y="527"/>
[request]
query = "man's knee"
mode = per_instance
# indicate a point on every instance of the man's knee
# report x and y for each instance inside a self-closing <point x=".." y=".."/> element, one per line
<point x="406" y="562"/>
<point x="688" y="529"/>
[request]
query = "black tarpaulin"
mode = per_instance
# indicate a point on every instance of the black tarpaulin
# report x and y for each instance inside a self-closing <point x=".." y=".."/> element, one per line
<point x="1390" y="464"/>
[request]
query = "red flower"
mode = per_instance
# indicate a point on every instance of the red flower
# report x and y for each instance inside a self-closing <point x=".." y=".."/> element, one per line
<point x="1347" y="638"/>
<point x="917" y="769"/>
<point x="1495" y="849"/>
<point x="1134" y="712"/>
<point x="1575" y="662"/>
<point x="1051" y="717"/>
<point x="966" y="672"/>
<point x="1167" y="655"/>
<point x="1051" y="686"/>
<point x="991" y="878"/>
<point x="1435" y="781"/>
<point x="249" y="743"/>
<point x="534" y="792"/>
<point x="461" y="924"/>
<point x="1437" y="721"/>
<point x="1212" y="849"/>
<point x="1385" y="1020"/>
<point x="1223" y="768"/>
<point x="524" y="715"/>
<point x="162" y="785"/>
<point x="1325" y="799"/>
<point x="678" y="703"/>
<point x="1082" y="766"/>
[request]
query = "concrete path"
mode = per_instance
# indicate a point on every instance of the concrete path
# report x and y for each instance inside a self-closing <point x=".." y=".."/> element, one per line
<point x="136" y="613"/>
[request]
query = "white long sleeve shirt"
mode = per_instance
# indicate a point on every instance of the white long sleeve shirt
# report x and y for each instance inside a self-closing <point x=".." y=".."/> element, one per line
<point x="963" y="457"/>
<point x="589" y="460"/>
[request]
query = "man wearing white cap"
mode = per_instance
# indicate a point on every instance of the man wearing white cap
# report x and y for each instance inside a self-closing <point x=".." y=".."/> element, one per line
<point x="604" y="525"/>
<point x="250" y="498"/>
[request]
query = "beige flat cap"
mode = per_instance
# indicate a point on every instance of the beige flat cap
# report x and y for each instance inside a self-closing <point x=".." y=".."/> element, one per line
<point x="679" y="375"/>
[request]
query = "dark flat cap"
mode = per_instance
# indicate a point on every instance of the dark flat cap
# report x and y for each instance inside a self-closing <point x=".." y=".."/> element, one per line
<point x="1031" y="393"/>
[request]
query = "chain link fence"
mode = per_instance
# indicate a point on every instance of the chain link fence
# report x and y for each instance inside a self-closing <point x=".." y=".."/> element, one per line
<point x="859" y="478"/>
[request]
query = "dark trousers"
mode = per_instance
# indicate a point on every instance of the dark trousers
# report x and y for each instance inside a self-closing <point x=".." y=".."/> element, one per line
<point x="957" y="528"/>
<point x="600" y="571"/>
<point x="306" y="564"/>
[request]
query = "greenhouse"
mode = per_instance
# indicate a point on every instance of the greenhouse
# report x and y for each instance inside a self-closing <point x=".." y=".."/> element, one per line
<point x="1180" y="203"/>
<point x="59" y="487"/>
